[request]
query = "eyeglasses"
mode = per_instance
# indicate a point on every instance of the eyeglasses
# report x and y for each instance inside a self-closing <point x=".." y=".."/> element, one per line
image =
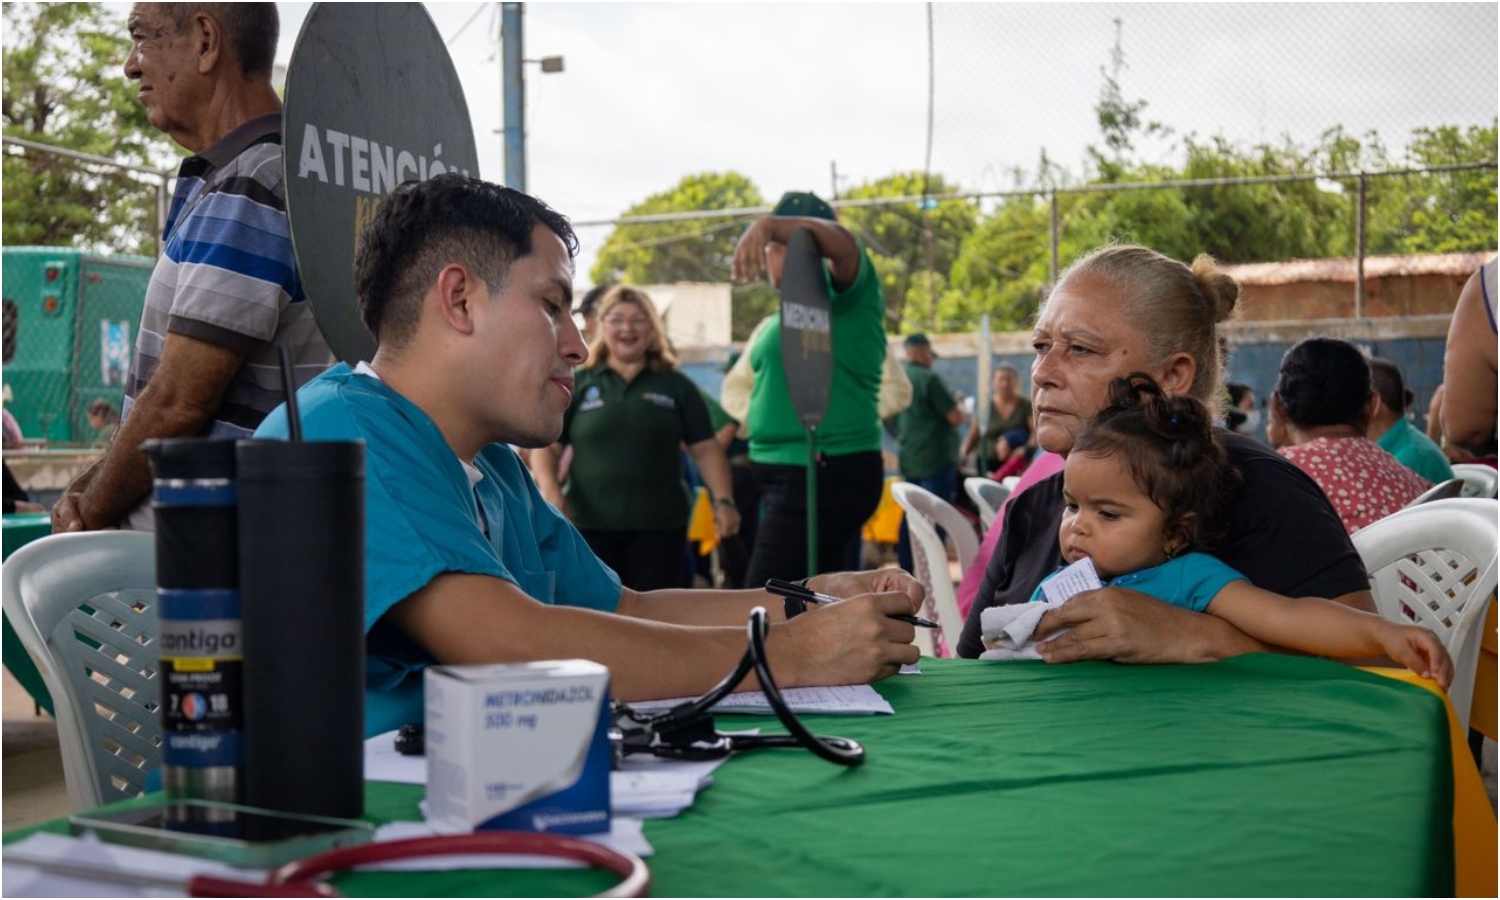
<point x="622" y="321"/>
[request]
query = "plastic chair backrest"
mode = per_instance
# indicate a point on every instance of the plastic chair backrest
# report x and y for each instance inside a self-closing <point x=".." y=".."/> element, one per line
<point x="987" y="494"/>
<point x="1434" y="565"/>
<point x="1443" y="490"/>
<point x="84" y="607"/>
<point x="925" y="513"/>
<point x="1479" y="480"/>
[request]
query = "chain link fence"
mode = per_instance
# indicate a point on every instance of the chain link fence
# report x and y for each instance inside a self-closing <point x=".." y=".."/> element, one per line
<point x="1340" y="131"/>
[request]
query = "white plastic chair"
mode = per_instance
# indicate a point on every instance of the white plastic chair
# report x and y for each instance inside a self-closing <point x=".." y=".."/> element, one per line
<point x="925" y="513"/>
<point x="1434" y="565"/>
<point x="987" y="494"/>
<point x="84" y="607"/>
<point x="1443" y="490"/>
<point x="1479" y="481"/>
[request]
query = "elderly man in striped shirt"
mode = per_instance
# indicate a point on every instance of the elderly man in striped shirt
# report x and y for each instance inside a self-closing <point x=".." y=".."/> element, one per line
<point x="225" y="292"/>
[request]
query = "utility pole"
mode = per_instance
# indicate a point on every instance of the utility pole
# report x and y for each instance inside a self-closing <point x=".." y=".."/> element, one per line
<point x="513" y="87"/>
<point x="833" y="176"/>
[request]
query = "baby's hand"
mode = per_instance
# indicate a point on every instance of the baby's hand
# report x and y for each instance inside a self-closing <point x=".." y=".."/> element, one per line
<point x="1419" y="650"/>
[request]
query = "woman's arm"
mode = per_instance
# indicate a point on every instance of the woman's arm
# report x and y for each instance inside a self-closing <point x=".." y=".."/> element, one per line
<point x="971" y="440"/>
<point x="1327" y="628"/>
<point x="714" y="467"/>
<point x="1469" y="409"/>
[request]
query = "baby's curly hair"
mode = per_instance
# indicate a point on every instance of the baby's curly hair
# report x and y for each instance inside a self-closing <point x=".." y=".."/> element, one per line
<point x="1176" y="459"/>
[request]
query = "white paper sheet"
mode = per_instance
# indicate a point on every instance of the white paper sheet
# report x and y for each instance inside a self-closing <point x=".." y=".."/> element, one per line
<point x="644" y="786"/>
<point x="1078" y="577"/>
<point x="842" y="700"/>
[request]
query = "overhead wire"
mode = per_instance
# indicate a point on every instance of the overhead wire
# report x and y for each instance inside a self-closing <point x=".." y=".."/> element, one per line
<point x="465" y="26"/>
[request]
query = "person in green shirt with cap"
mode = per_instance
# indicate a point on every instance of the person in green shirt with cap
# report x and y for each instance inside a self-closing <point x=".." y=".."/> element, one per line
<point x="927" y="431"/>
<point x="851" y="472"/>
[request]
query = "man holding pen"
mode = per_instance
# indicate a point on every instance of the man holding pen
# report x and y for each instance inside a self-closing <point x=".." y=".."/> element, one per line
<point x="467" y="287"/>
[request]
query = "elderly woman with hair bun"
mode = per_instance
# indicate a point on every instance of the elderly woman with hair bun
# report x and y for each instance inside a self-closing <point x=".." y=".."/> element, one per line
<point x="631" y="414"/>
<point x="1124" y="309"/>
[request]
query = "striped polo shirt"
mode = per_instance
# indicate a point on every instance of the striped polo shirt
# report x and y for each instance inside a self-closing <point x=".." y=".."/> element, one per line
<point x="226" y="276"/>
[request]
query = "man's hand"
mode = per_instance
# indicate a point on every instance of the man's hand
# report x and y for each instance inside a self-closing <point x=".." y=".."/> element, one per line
<point x="1130" y="627"/>
<point x="749" y="262"/>
<point x="876" y="581"/>
<point x="852" y="642"/>
<point x="65" y="514"/>
<point x="726" y="521"/>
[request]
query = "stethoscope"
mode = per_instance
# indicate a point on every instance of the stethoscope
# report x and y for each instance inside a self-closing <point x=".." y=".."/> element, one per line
<point x="687" y="731"/>
<point x="302" y="878"/>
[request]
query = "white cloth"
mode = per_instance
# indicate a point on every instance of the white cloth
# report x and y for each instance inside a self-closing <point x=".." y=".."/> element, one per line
<point x="1007" y="630"/>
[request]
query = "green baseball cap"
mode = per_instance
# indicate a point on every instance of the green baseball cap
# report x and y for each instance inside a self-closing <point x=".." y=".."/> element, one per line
<point x="804" y="203"/>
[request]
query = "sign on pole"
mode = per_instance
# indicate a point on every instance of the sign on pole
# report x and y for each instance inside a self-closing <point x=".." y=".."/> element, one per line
<point x="807" y="356"/>
<point x="372" y="100"/>
<point x="806" y="328"/>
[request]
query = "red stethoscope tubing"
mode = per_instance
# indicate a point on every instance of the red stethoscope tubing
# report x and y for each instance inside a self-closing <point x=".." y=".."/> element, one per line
<point x="635" y="877"/>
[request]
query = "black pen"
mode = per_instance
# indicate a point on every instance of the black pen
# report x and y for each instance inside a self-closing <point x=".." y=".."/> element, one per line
<point x="807" y="595"/>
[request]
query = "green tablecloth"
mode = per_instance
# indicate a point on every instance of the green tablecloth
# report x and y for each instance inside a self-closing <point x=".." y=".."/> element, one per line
<point x="20" y="529"/>
<point x="1259" y="776"/>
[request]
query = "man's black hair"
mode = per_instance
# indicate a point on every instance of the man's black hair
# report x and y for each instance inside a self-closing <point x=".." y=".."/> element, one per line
<point x="252" y="29"/>
<point x="1386" y="380"/>
<point x="425" y="225"/>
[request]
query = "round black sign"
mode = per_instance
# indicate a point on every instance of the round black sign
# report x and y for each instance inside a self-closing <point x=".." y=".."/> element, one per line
<point x="806" y="328"/>
<point x="372" y="100"/>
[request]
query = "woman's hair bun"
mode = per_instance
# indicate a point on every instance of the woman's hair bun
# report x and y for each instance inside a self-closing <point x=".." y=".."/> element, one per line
<point x="1218" y="286"/>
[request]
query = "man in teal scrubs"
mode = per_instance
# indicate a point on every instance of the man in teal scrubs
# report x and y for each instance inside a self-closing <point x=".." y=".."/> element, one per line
<point x="467" y="287"/>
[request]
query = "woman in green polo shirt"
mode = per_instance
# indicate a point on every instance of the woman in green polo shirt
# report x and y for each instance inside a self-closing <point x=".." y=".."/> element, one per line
<point x="631" y="414"/>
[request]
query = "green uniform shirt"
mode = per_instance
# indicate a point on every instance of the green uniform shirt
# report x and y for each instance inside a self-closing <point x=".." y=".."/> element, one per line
<point x="852" y="422"/>
<point x="928" y="443"/>
<point x="1416" y="451"/>
<point x="627" y="472"/>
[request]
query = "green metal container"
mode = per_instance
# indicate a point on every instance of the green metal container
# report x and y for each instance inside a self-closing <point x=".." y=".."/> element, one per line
<point x="70" y="328"/>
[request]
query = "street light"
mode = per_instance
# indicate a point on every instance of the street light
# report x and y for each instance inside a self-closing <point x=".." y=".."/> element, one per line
<point x="513" y="85"/>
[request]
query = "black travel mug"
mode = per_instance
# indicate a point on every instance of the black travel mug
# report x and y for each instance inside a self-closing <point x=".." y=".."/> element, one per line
<point x="302" y="582"/>
<point x="199" y="637"/>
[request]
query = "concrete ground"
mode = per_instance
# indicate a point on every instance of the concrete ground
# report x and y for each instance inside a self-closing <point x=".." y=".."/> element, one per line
<point x="31" y="766"/>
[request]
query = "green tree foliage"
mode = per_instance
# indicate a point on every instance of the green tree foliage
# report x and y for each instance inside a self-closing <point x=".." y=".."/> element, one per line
<point x="997" y="260"/>
<point x="689" y="250"/>
<point x="64" y="85"/>
<point x="1119" y="119"/>
<point x="685" y="250"/>
<point x="1442" y="213"/>
<point x="902" y="237"/>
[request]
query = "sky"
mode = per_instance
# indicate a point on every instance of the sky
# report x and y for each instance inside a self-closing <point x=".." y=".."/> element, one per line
<point x="785" y="92"/>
